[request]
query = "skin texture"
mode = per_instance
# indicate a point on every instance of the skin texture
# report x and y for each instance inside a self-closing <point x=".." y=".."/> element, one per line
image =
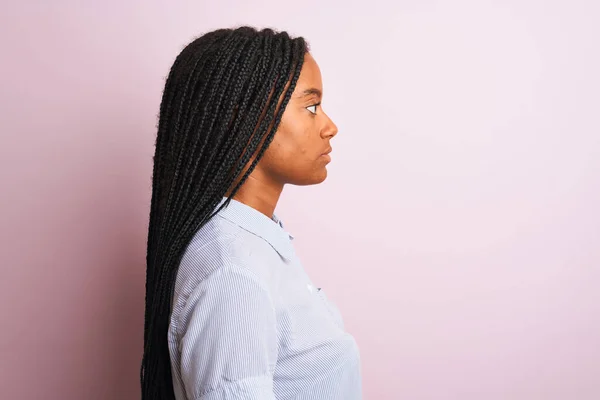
<point x="297" y="153"/>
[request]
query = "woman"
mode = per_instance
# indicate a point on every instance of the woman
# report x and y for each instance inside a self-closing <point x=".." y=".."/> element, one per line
<point x="230" y="312"/>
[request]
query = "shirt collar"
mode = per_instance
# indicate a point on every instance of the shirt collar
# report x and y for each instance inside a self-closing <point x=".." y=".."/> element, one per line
<point x="270" y="230"/>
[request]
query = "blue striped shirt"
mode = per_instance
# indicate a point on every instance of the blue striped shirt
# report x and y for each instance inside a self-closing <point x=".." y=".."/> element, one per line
<point x="247" y="322"/>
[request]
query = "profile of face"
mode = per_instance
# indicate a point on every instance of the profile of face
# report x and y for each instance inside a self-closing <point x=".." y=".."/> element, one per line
<point x="299" y="152"/>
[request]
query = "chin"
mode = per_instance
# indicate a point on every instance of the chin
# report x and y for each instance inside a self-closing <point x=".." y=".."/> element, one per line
<point x="322" y="178"/>
<point x="314" y="179"/>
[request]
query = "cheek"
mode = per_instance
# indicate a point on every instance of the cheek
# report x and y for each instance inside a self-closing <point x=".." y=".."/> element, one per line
<point x="299" y="148"/>
<point x="293" y="140"/>
<point x="274" y="155"/>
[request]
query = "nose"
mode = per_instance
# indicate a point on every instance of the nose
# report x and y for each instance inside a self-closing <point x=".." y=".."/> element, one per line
<point x="330" y="129"/>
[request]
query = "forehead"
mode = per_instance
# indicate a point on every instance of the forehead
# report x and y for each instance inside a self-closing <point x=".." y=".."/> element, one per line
<point x="310" y="76"/>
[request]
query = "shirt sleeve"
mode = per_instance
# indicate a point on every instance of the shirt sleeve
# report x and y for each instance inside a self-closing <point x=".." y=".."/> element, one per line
<point x="229" y="346"/>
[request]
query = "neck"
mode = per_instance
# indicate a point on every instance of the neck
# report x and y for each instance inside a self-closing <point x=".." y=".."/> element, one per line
<point x="260" y="193"/>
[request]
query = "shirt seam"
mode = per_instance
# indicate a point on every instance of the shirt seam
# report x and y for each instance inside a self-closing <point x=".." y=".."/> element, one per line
<point x="228" y="266"/>
<point x="184" y="302"/>
<point x="262" y="381"/>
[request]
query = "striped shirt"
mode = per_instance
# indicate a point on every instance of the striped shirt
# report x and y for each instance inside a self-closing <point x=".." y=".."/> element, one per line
<point x="247" y="322"/>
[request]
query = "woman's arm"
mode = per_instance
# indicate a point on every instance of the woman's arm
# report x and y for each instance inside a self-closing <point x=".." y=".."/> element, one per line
<point x="228" y="342"/>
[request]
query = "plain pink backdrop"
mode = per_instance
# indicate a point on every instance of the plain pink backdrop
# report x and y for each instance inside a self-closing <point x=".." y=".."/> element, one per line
<point x="458" y="232"/>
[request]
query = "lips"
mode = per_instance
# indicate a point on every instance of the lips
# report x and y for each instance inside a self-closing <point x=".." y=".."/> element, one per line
<point x="326" y="155"/>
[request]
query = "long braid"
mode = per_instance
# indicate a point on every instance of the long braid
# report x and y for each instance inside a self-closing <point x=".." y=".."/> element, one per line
<point x="165" y="131"/>
<point x="162" y="170"/>
<point x="181" y="138"/>
<point x="234" y="111"/>
<point x="219" y="114"/>
<point x="222" y="104"/>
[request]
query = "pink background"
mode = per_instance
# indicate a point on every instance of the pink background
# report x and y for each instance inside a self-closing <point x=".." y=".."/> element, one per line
<point x="458" y="232"/>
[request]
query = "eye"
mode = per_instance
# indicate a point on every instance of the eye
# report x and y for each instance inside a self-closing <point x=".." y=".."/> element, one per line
<point x="313" y="109"/>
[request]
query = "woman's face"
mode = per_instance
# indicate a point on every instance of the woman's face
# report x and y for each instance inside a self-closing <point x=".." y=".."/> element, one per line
<point x="298" y="153"/>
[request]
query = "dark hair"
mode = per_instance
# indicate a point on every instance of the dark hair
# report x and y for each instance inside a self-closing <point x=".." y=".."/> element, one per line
<point x="222" y="103"/>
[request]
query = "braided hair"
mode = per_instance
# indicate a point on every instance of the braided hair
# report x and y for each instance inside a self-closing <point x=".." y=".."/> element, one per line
<point x="221" y="106"/>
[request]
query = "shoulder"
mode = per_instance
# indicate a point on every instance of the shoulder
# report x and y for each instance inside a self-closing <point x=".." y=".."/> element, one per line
<point x="217" y="247"/>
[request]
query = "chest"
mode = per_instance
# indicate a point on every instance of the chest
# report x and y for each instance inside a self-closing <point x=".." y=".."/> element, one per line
<point x="306" y="317"/>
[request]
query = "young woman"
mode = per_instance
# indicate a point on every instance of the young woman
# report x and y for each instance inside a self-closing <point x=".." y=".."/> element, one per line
<point x="230" y="312"/>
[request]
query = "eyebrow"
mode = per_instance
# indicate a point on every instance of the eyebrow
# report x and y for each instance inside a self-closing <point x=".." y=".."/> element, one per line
<point x="311" y="92"/>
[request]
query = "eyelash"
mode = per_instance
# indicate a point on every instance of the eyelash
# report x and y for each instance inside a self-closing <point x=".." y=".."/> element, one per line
<point x="314" y="105"/>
